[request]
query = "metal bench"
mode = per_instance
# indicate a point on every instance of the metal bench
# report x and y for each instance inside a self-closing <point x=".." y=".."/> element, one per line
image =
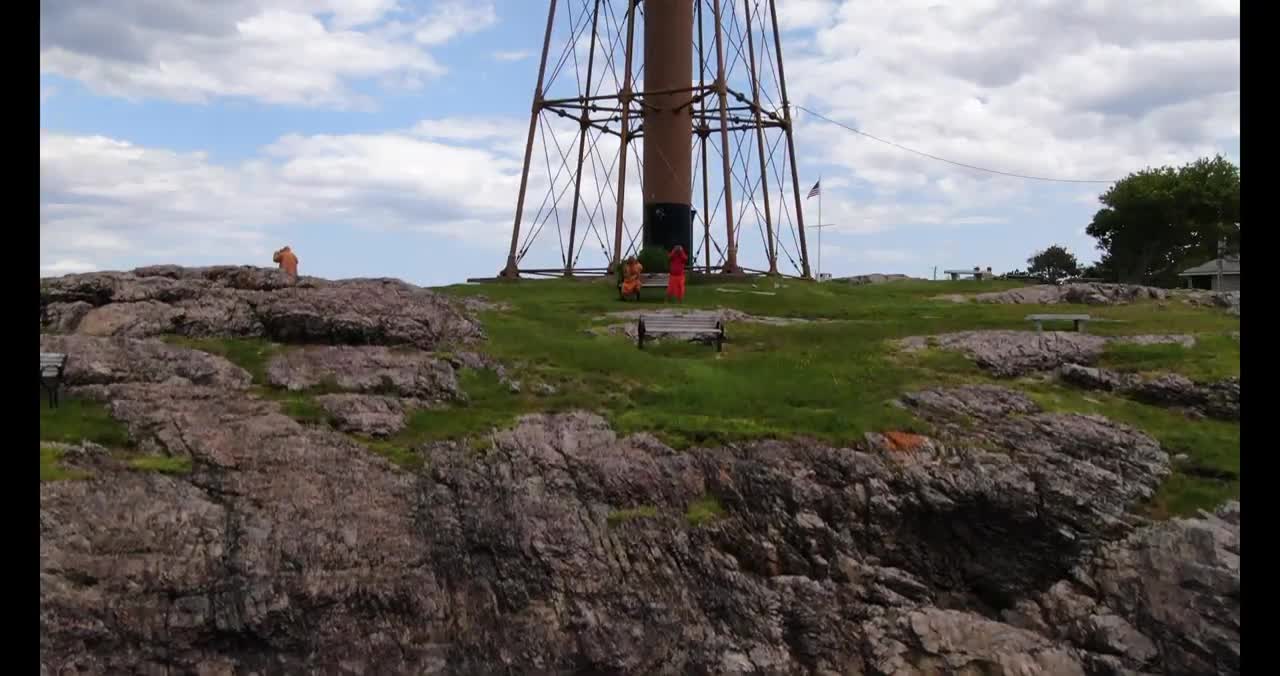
<point x="52" y="365"/>
<point x="1078" y="320"/>
<point x="706" y="325"/>
<point x="657" y="280"/>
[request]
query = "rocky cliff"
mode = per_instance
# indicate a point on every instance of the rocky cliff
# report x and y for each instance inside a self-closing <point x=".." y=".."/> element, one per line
<point x="1004" y="543"/>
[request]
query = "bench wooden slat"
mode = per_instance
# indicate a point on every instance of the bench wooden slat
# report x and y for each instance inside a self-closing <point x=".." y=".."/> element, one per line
<point x="682" y="324"/>
<point x="1065" y="318"/>
<point x="1079" y="320"/>
<point x="657" y="280"/>
<point x="52" y="364"/>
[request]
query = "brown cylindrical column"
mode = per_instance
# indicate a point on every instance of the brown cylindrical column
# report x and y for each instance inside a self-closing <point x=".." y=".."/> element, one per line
<point x="668" y="123"/>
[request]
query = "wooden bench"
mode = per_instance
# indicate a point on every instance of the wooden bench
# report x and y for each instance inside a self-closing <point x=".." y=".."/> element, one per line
<point x="52" y="366"/>
<point x="681" y="324"/>
<point x="1078" y="320"/>
<point x="657" y="280"/>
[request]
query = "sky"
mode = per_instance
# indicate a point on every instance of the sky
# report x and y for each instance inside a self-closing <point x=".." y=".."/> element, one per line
<point x="384" y="138"/>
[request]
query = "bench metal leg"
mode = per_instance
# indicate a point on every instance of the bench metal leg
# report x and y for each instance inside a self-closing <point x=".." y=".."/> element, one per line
<point x="1039" y="328"/>
<point x="1080" y="326"/>
<point x="52" y="391"/>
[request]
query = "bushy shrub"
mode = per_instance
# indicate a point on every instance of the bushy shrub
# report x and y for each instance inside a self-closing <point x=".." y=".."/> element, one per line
<point x="654" y="259"/>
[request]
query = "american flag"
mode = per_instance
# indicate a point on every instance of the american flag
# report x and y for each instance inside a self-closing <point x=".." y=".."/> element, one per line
<point x="816" y="190"/>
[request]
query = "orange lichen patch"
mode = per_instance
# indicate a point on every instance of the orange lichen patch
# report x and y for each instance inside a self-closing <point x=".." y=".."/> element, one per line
<point x="905" y="442"/>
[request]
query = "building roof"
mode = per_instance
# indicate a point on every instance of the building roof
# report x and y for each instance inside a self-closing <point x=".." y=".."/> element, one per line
<point x="1230" y="266"/>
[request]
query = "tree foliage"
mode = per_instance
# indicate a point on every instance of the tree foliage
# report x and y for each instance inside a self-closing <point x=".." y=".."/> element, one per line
<point x="1053" y="264"/>
<point x="654" y="259"/>
<point x="1156" y="222"/>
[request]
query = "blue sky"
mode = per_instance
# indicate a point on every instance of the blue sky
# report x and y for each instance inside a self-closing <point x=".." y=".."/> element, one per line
<point x="383" y="138"/>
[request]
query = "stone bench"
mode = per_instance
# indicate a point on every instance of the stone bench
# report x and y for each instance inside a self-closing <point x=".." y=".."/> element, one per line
<point x="1079" y="320"/>
<point x="976" y="274"/>
<point x="647" y="281"/>
<point x="705" y="325"/>
<point x="52" y="366"/>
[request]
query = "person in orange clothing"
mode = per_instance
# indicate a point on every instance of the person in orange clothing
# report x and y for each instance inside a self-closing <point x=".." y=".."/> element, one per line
<point x="288" y="262"/>
<point x="631" y="277"/>
<point x="675" y="280"/>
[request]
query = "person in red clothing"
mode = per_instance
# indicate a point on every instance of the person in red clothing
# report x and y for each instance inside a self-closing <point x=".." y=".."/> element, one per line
<point x="675" y="282"/>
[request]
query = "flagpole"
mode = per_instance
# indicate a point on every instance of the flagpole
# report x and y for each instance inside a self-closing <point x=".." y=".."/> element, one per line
<point x="820" y="224"/>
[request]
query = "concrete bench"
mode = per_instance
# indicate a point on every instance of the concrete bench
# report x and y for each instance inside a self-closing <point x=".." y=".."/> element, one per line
<point x="976" y="274"/>
<point x="647" y="281"/>
<point x="52" y="366"/>
<point x="705" y="325"/>
<point x="1078" y="320"/>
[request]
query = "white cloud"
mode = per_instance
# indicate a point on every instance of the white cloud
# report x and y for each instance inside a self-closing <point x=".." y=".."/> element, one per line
<point x="103" y="199"/>
<point x="505" y="134"/>
<point x="511" y="56"/>
<point x="451" y="18"/>
<point x="1052" y="88"/>
<point x="800" y="14"/>
<point x="276" y="51"/>
<point x="66" y="266"/>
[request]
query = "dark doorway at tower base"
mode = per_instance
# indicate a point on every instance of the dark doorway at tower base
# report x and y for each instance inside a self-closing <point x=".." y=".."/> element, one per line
<point x="667" y="225"/>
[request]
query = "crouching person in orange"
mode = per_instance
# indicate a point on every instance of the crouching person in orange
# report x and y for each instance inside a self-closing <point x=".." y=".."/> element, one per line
<point x="631" y="277"/>
<point x="288" y="262"/>
<point x="675" y="281"/>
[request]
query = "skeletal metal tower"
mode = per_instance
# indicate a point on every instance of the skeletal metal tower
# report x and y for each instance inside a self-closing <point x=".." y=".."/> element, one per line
<point x="709" y="77"/>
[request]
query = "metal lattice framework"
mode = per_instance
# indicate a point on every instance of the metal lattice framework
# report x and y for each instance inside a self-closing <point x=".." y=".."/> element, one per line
<point x="588" y="112"/>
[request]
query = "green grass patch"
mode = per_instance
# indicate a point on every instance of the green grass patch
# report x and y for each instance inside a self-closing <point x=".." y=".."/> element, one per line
<point x="480" y="445"/>
<point x="1213" y="357"/>
<point x="1208" y="477"/>
<point x="1185" y="494"/>
<point x="832" y="380"/>
<point x="250" y="354"/>
<point x="77" y="420"/>
<point x="403" y="456"/>
<point x="52" y="469"/>
<point x="490" y="405"/>
<point x="703" y="511"/>
<point x="829" y="380"/>
<point x="620" y="516"/>
<point x="161" y="464"/>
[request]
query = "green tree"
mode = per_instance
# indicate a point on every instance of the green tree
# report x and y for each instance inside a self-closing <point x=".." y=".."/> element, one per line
<point x="654" y="259"/>
<point x="1053" y="264"/>
<point x="1156" y="222"/>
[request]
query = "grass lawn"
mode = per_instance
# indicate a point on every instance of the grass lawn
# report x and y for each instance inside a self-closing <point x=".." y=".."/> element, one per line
<point x="79" y="420"/>
<point x="1214" y="356"/>
<point x="832" y="380"/>
<point x="52" y="469"/>
<point x="250" y="354"/>
<point x="76" y="420"/>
